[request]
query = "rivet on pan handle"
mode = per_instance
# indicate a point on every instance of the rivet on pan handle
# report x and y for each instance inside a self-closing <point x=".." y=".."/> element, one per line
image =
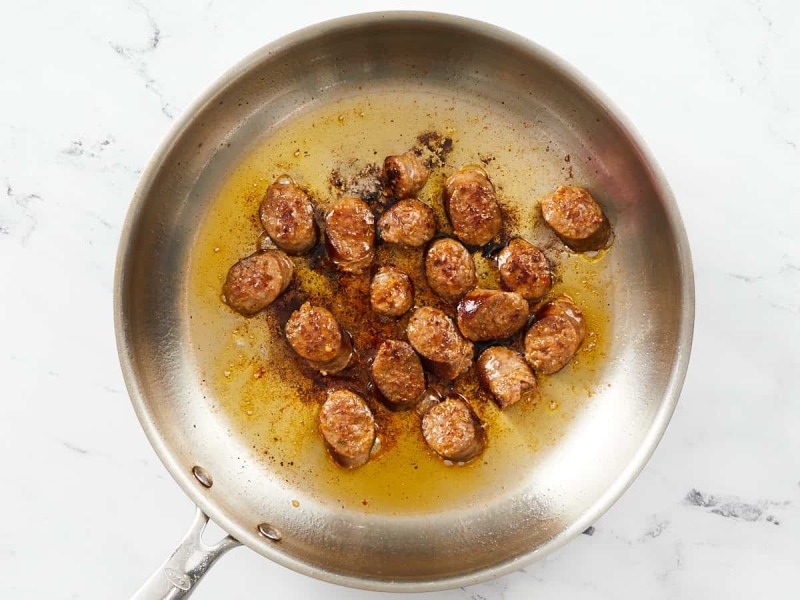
<point x="179" y="575"/>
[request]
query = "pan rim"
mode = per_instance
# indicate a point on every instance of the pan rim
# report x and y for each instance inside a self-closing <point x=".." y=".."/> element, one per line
<point x="651" y="438"/>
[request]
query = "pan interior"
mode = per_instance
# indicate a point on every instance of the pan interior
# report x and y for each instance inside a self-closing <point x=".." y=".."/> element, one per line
<point x="217" y="390"/>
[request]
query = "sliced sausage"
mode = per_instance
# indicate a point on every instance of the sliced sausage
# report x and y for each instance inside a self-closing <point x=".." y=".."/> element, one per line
<point x="550" y="344"/>
<point x="506" y="375"/>
<point x="397" y="374"/>
<point x="524" y="269"/>
<point x="255" y="282"/>
<point x="576" y="218"/>
<point x="565" y="306"/>
<point x="348" y="428"/>
<point x="453" y="431"/>
<point x="435" y="337"/>
<point x="471" y="206"/>
<point x="491" y="314"/>
<point x="314" y="333"/>
<point x="350" y="235"/>
<point x="450" y="269"/>
<point x="430" y="398"/>
<point x="408" y="223"/>
<point x="287" y="215"/>
<point x="391" y="292"/>
<point x="404" y="175"/>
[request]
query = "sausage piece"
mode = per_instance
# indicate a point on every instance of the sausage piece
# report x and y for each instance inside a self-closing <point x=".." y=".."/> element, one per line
<point x="450" y="269"/>
<point x="408" y="223"/>
<point x="491" y="314"/>
<point x="524" y="269"/>
<point x="287" y="215"/>
<point x="255" y="282"/>
<point x="471" y="206"/>
<point x="391" y="292"/>
<point x="434" y="336"/>
<point x="404" y="175"/>
<point x="348" y="428"/>
<point x="506" y="375"/>
<point x="565" y="306"/>
<point x="314" y="333"/>
<point x="452" y="430"/>
<point x="350" y="235"/>
<point x="550" y="344"/>
<point x="576" y="218"/>
<point x="397" y="374"/>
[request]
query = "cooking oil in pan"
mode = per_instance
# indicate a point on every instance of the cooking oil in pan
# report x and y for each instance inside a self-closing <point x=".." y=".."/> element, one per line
<point x="271" y="400"/>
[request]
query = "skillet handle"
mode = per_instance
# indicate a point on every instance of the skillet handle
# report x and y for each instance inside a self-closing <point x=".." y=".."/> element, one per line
<point x="179" y="575"/>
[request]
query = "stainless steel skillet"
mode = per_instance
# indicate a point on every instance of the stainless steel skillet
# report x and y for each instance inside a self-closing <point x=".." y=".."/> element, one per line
<point x="652" y="327"/>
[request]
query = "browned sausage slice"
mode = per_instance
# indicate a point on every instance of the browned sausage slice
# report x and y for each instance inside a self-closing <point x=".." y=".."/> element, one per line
<point x="551" y="343"/>
<point x="408" y="223"/>
<point x="450" y="269"/>
<point x="398" y="375"/>
<point x="524" y="269"/>
<point x="506" y="375"/>
<point x="255" y="282"/>
<point x="404" y="175"/>
<point x="453" y="431"/>
<point x="491" y="314"/>
<point x="314" y="333"/>
<point x="576" y="218"/>
<point x="435" y="337"/>
<point x="350" y="235"/>
<point x="348" y="428"/>
<point x="565" y="306"/>
<point x="391" y="292"/>
<point x="471" y="206"/>
<point x="287" y="215"/>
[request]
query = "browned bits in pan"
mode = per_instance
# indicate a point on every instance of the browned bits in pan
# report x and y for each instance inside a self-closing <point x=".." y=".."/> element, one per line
<point x="422" y="372"/>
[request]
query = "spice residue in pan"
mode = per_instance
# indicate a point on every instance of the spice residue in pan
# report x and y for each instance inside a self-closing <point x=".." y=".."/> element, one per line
<point x="271" y="399"/>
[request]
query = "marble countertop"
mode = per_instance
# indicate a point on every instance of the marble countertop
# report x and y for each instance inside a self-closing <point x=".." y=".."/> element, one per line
<point x="88" y="92"/>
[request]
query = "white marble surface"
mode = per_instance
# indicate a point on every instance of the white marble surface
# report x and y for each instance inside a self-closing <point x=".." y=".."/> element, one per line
<point x="86" y="94"/>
